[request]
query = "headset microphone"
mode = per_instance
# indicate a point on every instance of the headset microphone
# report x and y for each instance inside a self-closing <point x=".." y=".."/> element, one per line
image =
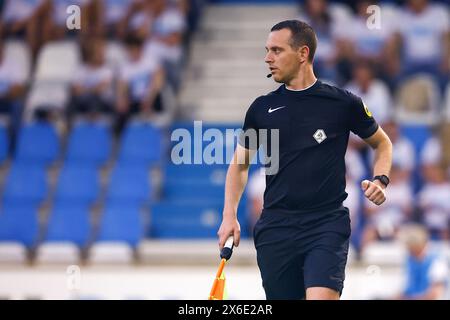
<point x="269" y="75"/>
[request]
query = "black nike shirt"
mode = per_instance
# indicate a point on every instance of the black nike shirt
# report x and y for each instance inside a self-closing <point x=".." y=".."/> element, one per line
<point x="314" y="126"/>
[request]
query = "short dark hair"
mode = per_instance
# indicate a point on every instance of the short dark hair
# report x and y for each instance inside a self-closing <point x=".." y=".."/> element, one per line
<point x="302" y="35"/>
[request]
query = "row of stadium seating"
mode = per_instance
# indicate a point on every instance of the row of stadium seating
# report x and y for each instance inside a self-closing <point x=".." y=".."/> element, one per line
<point x="88" y="193"/>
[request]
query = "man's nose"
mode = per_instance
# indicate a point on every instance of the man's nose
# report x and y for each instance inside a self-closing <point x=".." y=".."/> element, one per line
<point x="268" y="58"/>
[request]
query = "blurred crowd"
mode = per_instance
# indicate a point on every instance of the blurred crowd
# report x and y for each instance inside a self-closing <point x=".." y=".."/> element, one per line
<point x="151" y="34"/>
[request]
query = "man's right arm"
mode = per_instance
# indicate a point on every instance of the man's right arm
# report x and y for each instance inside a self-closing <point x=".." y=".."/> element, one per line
<point x="236" y="180"/>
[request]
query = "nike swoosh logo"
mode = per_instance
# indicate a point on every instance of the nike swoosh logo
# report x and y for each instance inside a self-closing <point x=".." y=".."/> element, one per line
<point x="272" y="110"/>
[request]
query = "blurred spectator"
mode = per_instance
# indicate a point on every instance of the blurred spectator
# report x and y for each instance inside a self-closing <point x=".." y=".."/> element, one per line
<point x="23" y="18"/>
<point x="166" y="42"/>
<point x="426" y="271"/>
<point x="424" y="35"/>
<point x="92" y="83"/>
<point x="372" y="91"/>
<point x="12" y="85"/>
<point x="317" y="14"/>
<point x="256" y="188"/>
<point x="140" y="83"/>
<point x="113" y="16"/>
<point x="385" y="220"/>
<point x="356" y="40"/>
<point x="434" y="202"/>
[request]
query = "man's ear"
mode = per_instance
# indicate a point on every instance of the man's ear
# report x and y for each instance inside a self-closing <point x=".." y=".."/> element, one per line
<point x="303" y="53"/>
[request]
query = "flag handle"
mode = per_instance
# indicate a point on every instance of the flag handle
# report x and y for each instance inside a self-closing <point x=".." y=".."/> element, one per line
<point x="227" y="249"/>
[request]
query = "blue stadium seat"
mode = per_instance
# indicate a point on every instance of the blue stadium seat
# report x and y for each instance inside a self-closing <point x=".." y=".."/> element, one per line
<point x="19" y="223"/>
<point x="189" y="125"/>
<point x="26" y="183"/>
<point x="130" y="183"/>
<point x="37" y="143"/>
<point x="214" y="174"/>
<point x="121" y="222"/>
<point x="197" y="191"/>
<point x="189" y="220"/>
<point x="4" y="144"/>
<point x="141" y="144"/>
<point x="69" y="222"/>
<point x="89" y="143"/>
<point x="78" y="183"/>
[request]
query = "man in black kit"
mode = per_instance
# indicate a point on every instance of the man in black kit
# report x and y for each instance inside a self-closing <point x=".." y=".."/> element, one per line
<point x="302" y="236"/>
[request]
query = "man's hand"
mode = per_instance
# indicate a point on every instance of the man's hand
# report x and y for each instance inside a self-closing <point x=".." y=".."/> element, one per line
<point x="229" y="226"/>
<point x="374" y="191"/>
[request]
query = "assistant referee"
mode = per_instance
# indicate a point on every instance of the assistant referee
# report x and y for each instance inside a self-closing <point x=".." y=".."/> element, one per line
<point x="302" y="236"/>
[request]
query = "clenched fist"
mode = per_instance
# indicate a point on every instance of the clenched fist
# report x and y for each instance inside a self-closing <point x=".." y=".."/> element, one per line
<point x="373" y="191"/>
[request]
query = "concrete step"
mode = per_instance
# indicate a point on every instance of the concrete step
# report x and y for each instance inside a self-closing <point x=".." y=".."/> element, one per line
<point x="231" y="81"/>
<point x="217" y="92"/>
<point x="248" y="13"/>
<point x="216" y="34"/>
<point x="206" y="53"/>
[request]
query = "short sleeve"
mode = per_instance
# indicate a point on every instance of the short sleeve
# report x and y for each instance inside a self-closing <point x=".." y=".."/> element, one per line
<point x="362" y="121"/>
<point x="248" y="138"/>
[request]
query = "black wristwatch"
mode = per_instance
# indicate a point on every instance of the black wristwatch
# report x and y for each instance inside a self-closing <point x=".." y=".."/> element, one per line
<point x="383" y="178"/>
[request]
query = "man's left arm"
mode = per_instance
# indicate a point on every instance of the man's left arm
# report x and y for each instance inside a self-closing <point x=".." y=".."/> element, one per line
<point x="381" y="144"/>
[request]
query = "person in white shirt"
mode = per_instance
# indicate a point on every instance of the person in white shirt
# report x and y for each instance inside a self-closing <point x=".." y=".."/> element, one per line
<point x="92" y="83"/>
<point x="434" y="201"/>
<point x="140" y="83"/>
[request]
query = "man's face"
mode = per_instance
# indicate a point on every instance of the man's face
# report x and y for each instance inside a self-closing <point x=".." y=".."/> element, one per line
<point x="283" y="60"/>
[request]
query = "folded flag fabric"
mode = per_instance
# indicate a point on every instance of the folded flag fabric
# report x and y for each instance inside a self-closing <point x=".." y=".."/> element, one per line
<point x="218" y="291"/>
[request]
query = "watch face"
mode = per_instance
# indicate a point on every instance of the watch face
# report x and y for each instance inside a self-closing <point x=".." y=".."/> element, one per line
<point x="384" y="179"/>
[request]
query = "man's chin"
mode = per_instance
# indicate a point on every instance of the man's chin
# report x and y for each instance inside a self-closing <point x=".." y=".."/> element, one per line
<point x="278" y="79"/>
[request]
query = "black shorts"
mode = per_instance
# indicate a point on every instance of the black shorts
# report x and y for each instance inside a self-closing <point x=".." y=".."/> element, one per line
<point x="296" y="252"/>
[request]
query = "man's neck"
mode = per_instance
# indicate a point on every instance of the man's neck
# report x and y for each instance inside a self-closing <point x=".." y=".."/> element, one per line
<point x="303" y="80"/>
